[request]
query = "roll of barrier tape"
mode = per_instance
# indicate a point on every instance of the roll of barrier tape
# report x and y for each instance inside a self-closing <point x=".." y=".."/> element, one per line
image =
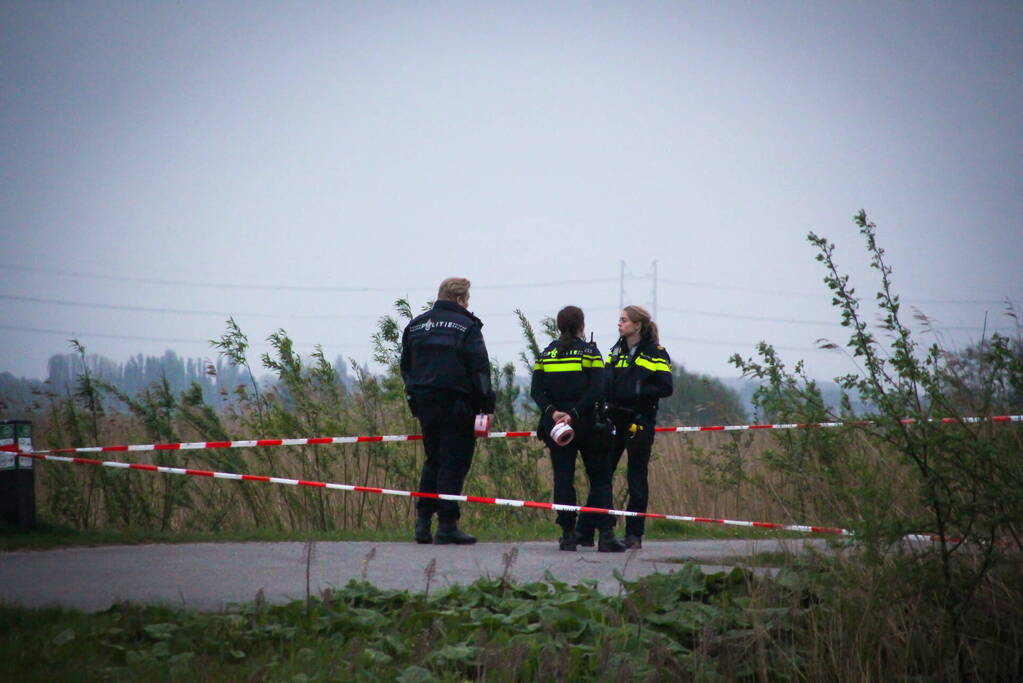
<point x="562" y="434"/>
<point x="482" y="427"/>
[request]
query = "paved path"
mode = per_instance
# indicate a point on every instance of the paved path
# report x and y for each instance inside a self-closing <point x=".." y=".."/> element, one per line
<point x="209" y="576"/>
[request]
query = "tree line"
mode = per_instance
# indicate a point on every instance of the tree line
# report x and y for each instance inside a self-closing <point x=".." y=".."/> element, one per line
<point x="698" y="398"/>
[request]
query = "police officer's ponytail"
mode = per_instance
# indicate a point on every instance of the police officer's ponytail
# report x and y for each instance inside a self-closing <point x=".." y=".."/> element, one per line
<point x="648" y="329"/>
<point x="570" y="323"/>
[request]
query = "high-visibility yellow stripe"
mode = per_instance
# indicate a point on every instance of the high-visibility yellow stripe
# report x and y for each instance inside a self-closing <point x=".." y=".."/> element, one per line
<point x="642" y="360"/>
<point x="569" y="361"/>
<point x="595" y="360"/>
<point x="654" y="365"/>
<point x="565" y="355"/>
<point x="563" y="366"/>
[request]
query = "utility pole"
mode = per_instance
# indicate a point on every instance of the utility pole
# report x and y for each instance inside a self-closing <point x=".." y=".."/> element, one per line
<point x="652" y="274"/>
<point x="655" y="289"/>
<point x="621" y="286"/>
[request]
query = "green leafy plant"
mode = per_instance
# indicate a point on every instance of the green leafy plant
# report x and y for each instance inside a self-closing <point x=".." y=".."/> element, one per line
<point x="233" y="345"/>
<point x="905" y="470"/>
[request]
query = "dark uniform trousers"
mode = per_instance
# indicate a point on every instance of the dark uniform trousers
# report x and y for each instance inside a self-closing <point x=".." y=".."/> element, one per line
<point x="639" y="448"/>
<point x="449" y="442"/>
<point x="593" y="448"/>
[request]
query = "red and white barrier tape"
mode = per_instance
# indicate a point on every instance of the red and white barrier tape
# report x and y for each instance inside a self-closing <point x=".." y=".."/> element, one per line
<point x="440" y="496"/>
<point x="198" y="445"/>
<point x="860" y="423"/>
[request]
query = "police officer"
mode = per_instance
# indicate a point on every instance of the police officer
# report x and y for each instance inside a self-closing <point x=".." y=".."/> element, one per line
<point x="567" y="386"/>
<point x="637" y="376"/>
<point x="446" y="371"/>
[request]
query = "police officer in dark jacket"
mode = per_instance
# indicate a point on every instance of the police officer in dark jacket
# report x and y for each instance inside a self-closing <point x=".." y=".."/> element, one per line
<point x="637" y="375"/>
<point x="567" y="387"/>
<point x="446" y="371"/>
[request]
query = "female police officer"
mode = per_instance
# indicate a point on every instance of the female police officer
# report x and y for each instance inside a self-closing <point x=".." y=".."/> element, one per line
<point x="637" y="376"/>
<point x="567" y="386"/>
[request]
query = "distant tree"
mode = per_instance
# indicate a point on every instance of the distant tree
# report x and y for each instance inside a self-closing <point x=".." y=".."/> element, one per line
<point x="60" y="372"/>
<point x="19" y="396"/>
<point x="64" y="373"/>
<point x="701" y="400"/>
<point x="990" y="370"/>
<point x="341" y="368"/>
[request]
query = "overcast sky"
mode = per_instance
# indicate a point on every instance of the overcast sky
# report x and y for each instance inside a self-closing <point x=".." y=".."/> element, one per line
<point x="301" y="165"/>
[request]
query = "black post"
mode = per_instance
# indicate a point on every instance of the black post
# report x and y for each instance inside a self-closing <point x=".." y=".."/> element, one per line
<point x="17" y="476"/>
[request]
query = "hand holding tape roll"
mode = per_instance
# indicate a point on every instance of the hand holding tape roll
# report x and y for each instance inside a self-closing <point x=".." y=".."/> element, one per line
<point x="562" y="433"/>
<point x="482" y="426"/>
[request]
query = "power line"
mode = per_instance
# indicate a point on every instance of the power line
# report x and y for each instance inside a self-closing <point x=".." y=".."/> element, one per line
<point x="785" y="292"/>
<point x="206" y="342"/>
<point x="733" y="344"/>
<point x="794" y="321"/>
<point x="322" y="316"/>
<point x="103" y="335"/>
<point x="969" y="302"/>
<point x="224" y="314"/>
<point x="556" y="283"/>
<point x="293" y="288"/>
<point x="734" y="288"/>
<point x="187" y="283"/>
<point x="183" y="311"/>
<point x="517" y="285"/>
<point x="736" y="316"/>
<point x="160" y="340"/>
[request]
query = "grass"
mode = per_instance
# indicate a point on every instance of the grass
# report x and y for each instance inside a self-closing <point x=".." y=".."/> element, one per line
<point x="49" y="535"/>
<point x="218" y="511"/>
<point x="823" y="620"/>
<point x="768" y="558"/>
<point x="664" y="627"/>
<point x="829" y="620"/>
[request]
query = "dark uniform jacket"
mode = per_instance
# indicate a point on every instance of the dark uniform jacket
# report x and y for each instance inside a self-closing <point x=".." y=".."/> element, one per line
<point x="443" y="350"/>
<point x="568" y="380"/>
<point x="635" y="379"/>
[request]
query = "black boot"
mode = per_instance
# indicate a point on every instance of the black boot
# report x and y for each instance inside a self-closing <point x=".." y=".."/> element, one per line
<point x="633" y="542"/>
<point x="423" y="532"/>
<point x="568" y="540"/>
<point x="608" y="543"/>
<point x="448" y="533"/>
<point x="584" y="538"/>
